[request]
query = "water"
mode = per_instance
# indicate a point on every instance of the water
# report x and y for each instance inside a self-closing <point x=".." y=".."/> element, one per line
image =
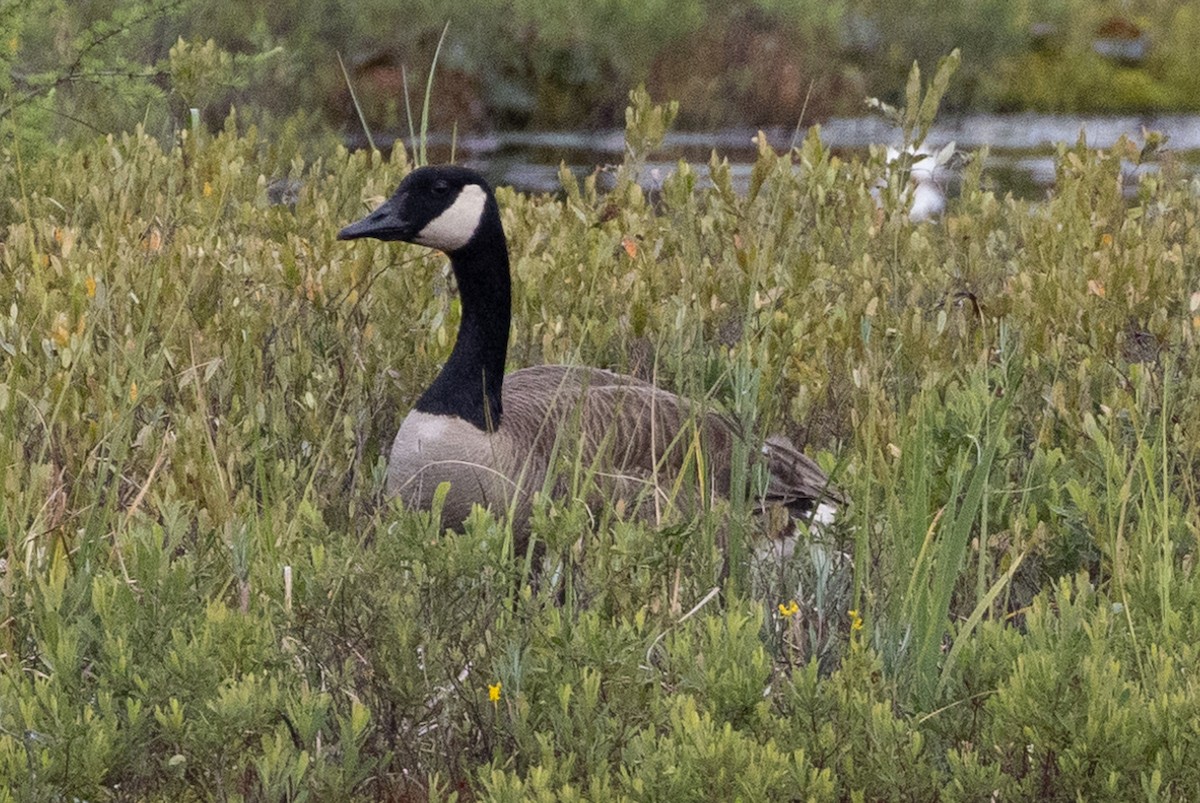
<point x="1021" y="158"/>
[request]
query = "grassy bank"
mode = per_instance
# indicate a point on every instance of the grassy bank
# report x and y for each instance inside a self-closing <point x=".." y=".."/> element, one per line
<point x="205" y="597"/>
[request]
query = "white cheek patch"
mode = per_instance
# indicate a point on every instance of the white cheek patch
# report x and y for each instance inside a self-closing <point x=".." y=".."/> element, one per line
<point x="455" y="227"/>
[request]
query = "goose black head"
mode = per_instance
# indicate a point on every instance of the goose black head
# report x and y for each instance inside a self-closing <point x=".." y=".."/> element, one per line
<point x="441" y="207"/>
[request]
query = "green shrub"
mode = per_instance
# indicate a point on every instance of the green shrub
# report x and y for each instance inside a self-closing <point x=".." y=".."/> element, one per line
<point x="204" y="595"/>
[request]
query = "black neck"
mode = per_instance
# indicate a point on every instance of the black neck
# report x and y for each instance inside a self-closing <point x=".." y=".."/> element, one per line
<point x="470" y="382"/>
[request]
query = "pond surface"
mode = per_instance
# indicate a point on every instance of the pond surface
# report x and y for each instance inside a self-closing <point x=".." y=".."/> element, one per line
<point x="1021" y="158"/>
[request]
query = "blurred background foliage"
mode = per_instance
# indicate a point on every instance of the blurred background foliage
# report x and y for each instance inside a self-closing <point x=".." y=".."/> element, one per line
<point x="522" y="64"/>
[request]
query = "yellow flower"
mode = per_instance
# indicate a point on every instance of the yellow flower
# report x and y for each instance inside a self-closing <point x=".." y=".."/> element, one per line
<point x="856" y="622"/>
<point x="790" y="609"/>
<point x="494" y="692"/>
<point x="207" y="189"/>
<point x="90" y="284"/>
<point x="133" y="392"/>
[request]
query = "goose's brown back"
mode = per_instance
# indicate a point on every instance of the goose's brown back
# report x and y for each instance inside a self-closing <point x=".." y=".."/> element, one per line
<point x="609" y="437"/>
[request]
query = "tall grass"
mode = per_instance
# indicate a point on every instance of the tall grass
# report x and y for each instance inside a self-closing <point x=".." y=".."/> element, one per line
<point x="205" y="595"/>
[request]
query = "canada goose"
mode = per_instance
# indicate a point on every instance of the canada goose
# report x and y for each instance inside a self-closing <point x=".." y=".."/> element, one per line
<point x="493" y="437"/>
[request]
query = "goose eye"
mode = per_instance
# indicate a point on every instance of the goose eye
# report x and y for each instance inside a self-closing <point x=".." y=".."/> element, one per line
<point x="440" y="187"/>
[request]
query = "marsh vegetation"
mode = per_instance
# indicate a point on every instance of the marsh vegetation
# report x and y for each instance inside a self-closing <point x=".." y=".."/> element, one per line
<point x="205" y="596"/>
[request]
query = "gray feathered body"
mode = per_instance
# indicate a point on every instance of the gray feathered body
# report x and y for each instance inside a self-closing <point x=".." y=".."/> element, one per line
<point x="603" y="436"/>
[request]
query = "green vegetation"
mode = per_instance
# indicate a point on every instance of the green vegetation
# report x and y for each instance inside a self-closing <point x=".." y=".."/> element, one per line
<point x="68" y="69"/>
<point x="205" y="597"/>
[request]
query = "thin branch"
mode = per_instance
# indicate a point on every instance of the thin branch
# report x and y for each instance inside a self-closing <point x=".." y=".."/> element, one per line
<point x="150" y="13"/>
<point x="75" y="72"/>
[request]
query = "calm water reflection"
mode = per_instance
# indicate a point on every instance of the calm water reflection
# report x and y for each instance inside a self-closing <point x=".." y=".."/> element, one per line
<point x="1021" y="157"/>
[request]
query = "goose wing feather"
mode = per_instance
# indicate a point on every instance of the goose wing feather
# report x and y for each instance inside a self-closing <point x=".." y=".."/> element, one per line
<point x="636" y="430"/>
